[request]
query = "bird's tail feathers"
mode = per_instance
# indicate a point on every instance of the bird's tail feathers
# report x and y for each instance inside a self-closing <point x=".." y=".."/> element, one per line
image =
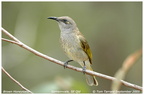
<point x="91" y="80"/>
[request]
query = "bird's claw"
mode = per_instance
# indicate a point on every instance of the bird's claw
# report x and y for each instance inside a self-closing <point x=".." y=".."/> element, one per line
<point x="84" y="69"/>
<point x="66" y="63"/>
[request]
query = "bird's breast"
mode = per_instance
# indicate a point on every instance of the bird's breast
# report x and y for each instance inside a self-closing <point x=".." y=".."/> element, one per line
<point x="69" y="40"/>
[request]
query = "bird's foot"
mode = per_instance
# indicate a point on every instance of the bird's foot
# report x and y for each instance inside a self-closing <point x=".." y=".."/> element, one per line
<point x="84" y="69"/>
<point x="66" y="63"/>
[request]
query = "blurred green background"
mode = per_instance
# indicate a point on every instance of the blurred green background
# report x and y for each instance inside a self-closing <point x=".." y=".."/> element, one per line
<point x="113" y="30"/>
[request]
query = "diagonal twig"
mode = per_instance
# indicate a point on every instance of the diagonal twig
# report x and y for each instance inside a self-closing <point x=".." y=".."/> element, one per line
<point x="15" y="80"/>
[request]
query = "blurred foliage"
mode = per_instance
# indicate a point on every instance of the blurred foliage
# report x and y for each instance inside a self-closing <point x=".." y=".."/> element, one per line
<point x="121" y="73"/>
<point x="113" y="30"/>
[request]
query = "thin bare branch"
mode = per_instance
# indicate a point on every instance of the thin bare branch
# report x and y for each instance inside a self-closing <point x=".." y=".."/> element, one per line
<point x="15" y="81"/>
<point x="68" y="66"/>
<point x="9" y="35"/>
<point x="11" y="41"/>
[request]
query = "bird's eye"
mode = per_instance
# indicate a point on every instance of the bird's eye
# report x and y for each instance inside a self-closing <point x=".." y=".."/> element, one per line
<point x="66" y="21"/>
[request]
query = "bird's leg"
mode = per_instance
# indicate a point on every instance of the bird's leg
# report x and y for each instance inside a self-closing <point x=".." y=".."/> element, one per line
<point x="84" y="67"/>
<point x="66" y="63"/>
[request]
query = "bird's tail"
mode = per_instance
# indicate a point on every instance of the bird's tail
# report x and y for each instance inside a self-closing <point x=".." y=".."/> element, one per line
<point x="91" y="80"/>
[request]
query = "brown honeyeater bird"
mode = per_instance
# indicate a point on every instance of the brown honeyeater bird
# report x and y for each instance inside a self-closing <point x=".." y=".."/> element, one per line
<point x="75" y="45"/>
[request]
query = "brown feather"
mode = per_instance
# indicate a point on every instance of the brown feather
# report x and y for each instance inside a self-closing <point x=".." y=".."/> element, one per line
<point x="86" y="48"/>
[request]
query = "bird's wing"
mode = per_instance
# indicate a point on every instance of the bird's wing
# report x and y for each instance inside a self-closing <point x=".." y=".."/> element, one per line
<point x="86" y="48"/>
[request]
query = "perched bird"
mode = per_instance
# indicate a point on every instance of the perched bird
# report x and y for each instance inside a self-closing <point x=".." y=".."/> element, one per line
<point x="75" y="45"/>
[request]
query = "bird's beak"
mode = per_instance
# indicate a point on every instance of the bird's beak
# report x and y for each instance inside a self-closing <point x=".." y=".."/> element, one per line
<point x="54" y="18"/>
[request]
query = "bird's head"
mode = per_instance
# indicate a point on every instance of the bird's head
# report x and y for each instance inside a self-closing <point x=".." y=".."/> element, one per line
<point x="65" y="23"/>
